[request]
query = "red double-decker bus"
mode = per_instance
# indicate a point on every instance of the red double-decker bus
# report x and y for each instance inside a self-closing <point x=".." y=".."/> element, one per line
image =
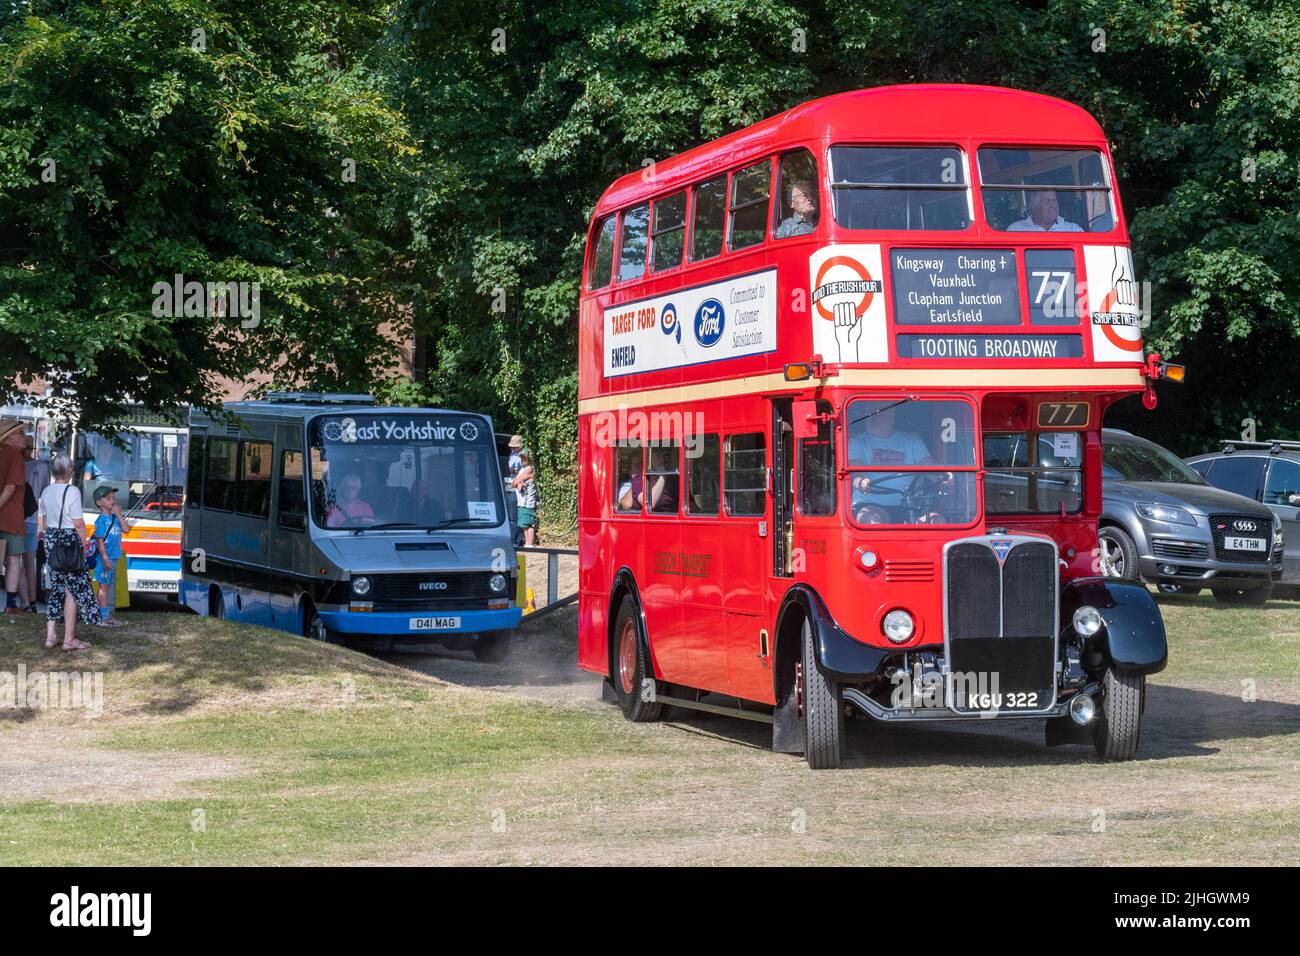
<point x="842" y="380"/>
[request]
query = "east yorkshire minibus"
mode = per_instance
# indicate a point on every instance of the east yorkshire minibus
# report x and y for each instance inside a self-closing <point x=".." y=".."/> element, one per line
<point x="340" y="520"/>
<point x="842" y="379"/>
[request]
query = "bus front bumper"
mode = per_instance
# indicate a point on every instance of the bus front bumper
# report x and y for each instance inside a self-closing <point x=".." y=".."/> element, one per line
<point x="422" y="625"/>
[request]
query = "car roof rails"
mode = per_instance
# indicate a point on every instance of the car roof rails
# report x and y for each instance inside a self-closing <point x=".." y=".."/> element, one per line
<point x="320" y="398"/>
<point x="1275" y="446"/>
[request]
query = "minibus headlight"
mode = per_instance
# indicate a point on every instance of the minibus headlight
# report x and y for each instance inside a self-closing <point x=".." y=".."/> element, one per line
<point x="1087" y="621"/>
<point x="898" y="626"/>
<point x="498" y="583"/>
<point x="361" y="586"/>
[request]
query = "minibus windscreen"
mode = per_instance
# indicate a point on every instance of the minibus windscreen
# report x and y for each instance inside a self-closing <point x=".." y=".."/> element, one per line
<point x="404" y="471"/>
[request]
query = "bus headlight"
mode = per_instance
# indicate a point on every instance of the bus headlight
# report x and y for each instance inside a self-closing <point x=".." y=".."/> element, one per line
<point x="361" y="586"/>
<point x="498" y="583"/>
<point x="1087" y="621"/>
<point x="898" y="626"/>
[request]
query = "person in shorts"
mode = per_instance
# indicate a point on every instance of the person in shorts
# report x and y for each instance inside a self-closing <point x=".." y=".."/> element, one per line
<point x="525" y="485"/>
<point x="109" y="527"/>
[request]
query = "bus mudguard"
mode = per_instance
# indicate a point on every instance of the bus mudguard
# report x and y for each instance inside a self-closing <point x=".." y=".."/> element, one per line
<point x="1132" y="638"/>
<point x="839" y="656"/>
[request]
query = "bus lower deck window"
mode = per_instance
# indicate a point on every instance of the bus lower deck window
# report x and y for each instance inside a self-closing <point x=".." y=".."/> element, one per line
<point x="663" y="479"/>
<point x="629" y="478"/>
<point x="1033" y="473"/>
<point x="703" y="476"/>
<point x="744" y="474"/>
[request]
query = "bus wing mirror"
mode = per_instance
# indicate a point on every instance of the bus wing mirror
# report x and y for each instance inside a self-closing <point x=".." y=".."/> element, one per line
<point x="806" y="419"/>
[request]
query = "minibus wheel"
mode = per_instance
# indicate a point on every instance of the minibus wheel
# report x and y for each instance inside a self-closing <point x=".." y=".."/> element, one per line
<point x="216" y="603"/>
<point x="823" y="709"/>
<point x="492" y="646"/>
<point x="629" y="669"/>
<point x="313" y="627"/>
<point x="1118" y="726"/>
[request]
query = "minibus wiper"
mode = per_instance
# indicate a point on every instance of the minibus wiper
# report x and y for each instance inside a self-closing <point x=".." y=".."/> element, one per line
<point x="386" y="524"/>
<point x="450" y="523"/>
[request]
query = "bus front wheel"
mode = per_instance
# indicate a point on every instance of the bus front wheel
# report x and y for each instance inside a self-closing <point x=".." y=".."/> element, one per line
<point x="315" y="628"/>
<point x="823" y="709"/>
<point x="629" y="667"/>
<point x="493" y="646"/>
<point x="1118" y="727"/>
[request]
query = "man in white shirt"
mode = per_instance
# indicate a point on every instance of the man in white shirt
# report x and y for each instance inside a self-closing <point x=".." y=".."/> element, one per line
<point x="875" y="443"/>
<point x="1044" y="215"/>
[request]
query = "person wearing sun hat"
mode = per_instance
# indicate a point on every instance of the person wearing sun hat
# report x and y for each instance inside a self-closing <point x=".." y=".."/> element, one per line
<point x="13" y="482"/>
<point x="514" y="463"/>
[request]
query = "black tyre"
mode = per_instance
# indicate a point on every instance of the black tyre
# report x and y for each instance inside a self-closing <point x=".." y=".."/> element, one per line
<point x="1119" y="557"/>
<point x="1166" y="587"/>
<point x="216" y="604"/>
<point x="1118" y="725"/>
<point x="1254" y="597"/>
<point x="314" y="628"/>
<point x="823" y="710"/>
<point x="629" y="667"/>
<point x="492" y="647"/>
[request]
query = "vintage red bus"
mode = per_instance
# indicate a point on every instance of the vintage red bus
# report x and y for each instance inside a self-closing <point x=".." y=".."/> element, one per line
<point x="842" y="380"/>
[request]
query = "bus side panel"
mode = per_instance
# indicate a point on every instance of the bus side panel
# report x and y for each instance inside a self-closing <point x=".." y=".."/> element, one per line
<point x="746" y="565"/>
<point x="702" y="558"/>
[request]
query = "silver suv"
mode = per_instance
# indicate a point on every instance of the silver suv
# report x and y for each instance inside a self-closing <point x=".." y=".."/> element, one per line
<point x="1269" y="472"/>
<point x="1163" y="523"/>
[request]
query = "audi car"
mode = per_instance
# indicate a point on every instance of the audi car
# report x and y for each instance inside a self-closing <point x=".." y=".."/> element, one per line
<point x="1164" y="524"/>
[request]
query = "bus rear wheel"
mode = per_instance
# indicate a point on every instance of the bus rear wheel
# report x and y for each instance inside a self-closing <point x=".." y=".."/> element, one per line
<point x="492" y="646"/>
<point x="629" y="669"/>
<point x="1118" y="727"/>
<point x="823" y="709"/>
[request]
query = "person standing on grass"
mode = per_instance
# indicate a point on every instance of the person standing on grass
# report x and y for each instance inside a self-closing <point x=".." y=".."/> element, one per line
<point x="525" y="485"/>
<point x="60" y="518"/>
<point x="37" y="473"/>
<point x="109" y="528"/>
<point x="13" y="485"/>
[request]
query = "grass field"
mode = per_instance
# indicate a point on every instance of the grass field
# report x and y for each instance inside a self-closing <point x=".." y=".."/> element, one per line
<point x="222" y="744"/>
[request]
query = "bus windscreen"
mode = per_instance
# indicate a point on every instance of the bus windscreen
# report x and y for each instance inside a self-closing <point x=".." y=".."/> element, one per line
<point x="147" y="468"/>
<point x="404" y="471"/>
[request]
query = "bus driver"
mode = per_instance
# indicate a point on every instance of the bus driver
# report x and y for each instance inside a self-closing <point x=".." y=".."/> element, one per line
<point x="348" y="507"/>
<point x="875" y="442"/>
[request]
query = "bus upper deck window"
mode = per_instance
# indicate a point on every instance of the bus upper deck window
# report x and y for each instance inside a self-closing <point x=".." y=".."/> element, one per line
<point x="750" y="192"/>
<point x="709" y="219"/>
<point x="798" y="210"/>
<point x="899" y="187"/>
<point x="668" y="237"/>
<point x="1045" y="190"/>
<point x="636" y="232"/>
<point x="602" y="262"/>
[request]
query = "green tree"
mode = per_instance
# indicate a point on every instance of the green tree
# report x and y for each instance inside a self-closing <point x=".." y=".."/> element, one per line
<point x="142" y="139"/>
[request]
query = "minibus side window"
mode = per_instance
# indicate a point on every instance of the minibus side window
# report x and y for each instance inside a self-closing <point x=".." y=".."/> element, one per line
<point x="817" y="467"/>
<point x="292" y="508"/>
<point x="668" y="238"/>
<point x="664" y="479"/>
<point x="709" y="219"/>
<point x="602" y="261"/>
<point x="798" y="208"/>
<point x="744" y="474"/>
<point x="629" y="480"/>
<point x="636" y="232"/>
<point x="703" y="475"/>
<point x="194" y="482"/>
<point x="255" y="462"/>
<point x="750" y="192"/>
<point x="219" y="480"/>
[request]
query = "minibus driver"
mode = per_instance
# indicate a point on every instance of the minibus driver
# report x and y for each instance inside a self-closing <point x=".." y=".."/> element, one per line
<point x="348" y="508"/>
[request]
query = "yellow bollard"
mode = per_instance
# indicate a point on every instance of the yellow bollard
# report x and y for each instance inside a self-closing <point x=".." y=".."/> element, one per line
<point x="531" y="606"/>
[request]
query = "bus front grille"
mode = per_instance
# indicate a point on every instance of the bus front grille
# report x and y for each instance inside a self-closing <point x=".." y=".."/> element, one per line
<point x="1000" y="622"/>
<point x="461" y="590"/>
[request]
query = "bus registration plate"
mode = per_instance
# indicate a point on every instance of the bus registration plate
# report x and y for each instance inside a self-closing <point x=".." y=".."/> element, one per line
<point x="434" y="623"/>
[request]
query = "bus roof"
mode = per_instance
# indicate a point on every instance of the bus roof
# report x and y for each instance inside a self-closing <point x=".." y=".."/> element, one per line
<point x="923" y="113"/>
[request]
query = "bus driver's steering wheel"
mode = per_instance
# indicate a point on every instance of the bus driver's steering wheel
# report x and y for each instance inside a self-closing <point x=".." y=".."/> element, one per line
<point x="918" y="499"/>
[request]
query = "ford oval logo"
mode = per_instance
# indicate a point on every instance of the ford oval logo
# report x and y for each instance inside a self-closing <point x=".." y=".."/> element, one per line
<point x="1241" y="524"/>
<point x="710" y="320"/>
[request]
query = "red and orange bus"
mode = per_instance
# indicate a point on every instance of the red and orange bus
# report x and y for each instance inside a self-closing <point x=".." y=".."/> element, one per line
<point x="842" y="380"/>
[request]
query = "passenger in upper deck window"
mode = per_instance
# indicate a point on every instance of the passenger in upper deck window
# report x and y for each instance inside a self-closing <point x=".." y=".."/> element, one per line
<point x="1044" y="215"/>
<point x="803" y="208"/>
